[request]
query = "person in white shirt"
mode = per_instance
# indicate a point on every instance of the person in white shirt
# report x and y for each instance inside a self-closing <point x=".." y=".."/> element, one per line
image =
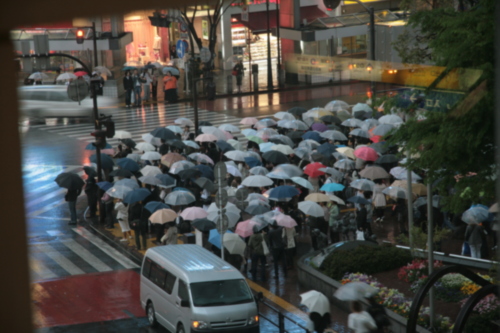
<point x="360" y="321"/>
<point x="147" y="85"/>
<point x="122" y="217"/>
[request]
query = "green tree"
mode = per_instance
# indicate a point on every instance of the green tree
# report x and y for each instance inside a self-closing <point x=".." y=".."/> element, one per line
<point x="457" y="148"/>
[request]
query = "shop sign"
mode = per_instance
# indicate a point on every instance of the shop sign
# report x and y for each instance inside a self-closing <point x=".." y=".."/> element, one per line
<point x="183" y="30"/>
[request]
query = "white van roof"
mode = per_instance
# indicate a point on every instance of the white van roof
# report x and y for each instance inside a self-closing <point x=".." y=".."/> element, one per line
<point x="193" y="263"/>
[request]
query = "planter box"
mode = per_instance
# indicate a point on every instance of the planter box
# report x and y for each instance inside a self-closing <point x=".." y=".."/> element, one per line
<point x="311" y="278"/>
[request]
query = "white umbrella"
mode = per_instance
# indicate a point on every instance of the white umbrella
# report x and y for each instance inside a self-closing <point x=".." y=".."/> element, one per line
<point x="293" y="124"/>
<point x="150" y="170"/>
<point x="236" y="144"/>
<point x="266" y="122"/>
<point x="127" y="182"/>
<point x="265" y="146"/>
<point x="162" y="216"/>
<point x="336" y="199"/>
<point x="315" y="302"/>
<point x="396" y="192"/>
<point x="309" y="144"/>
<point x="311" y="208"/>
<point x="248" y="132"/>
<point x="151" y="156"/>
<point x="234" y="244"/>
<point x="236" y="155"/>
<point x="38" y="76"/>
<point x="283" y="138"/>
<point x="344" y="164"/>
<point x="179" y="198"/>
<point x="230" y="207"/>
<point x="233" y="170"/>
<point x="103" y="70"/>
<point x="257" y="181"/>
<point x="150" y="180"/>
<point x="402" y="173"/>
<point x="118" y="191"/>
<point x="184" y="122"/>
<point x="122" y="135"/>
<point x="391" y="119"/>
<point x="285" y="149"/>
<point x="66" y="76"/>
<point x="201" y="158"/>
<point x="352" y="122"/>
<point x="214" y="131"/>
<point x="191" y="144"/>
<point x="360" y="133"/>
<point x="151" y="139"/>
<point x="266" y="133"/>
<point x="333" y="135"/>
<point x="229" y="128"/>
<point x="175" y="129"/>
<point x="232" y="217"/>
<point x="179" y="166"/>
<point x="134" y="157"/>
<point x="256" y="196"/>
<point x="302" y="182"/>
<point x="355" y="291"/>
<point x="283" y="115"/>
<point x="363" y="184"/>
<point x="258" y="171"/>
<point x="369" y="124"/>
<point x="249" y="121"/>
<point x="286" y="171"/>
<point x="332" y="171"/>
<point x="144" y="146"/>
<point x="193" y="213"/>
<point x="475" y="215"/>
<point x="361" y="107"/>
<point x="336" y="105"/>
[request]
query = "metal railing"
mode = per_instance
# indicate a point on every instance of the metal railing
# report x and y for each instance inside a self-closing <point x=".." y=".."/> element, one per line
<point x="281" y="317"/>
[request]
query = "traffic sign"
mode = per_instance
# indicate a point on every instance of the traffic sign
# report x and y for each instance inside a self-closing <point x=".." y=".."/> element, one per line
<point x="181" y="48"/>
<point x="220" y="171"/>
<point x="242" y="193"/>
<point x="221" y="198"/>
<point x="205" y="54"/>
<point x="78" y="90"/>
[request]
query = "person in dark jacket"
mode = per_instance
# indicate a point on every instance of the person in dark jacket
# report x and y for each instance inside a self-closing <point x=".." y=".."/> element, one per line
<point x="377" y="311"/>
<point x="91" y="189"/>
<point x="128" y="85"/>
<point x="71" y="197"/>
<point x="277" y="247"/>
<point x="139" y="223"/>
<point x="257" y="253"/>
<point x="362" y="218"/>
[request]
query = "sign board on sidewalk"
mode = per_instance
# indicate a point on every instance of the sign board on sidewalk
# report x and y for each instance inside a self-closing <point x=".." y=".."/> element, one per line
<point x="221" y="198"/>
<point x="220" y="171"/>
<point x="78" y="90"/>
<point x="222" y="225"/>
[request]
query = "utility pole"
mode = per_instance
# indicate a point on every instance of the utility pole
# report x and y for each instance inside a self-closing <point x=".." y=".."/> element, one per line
<point x="269" y="62"/>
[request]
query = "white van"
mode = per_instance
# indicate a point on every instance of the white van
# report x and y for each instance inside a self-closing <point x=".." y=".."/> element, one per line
<point x="186" y="288"/>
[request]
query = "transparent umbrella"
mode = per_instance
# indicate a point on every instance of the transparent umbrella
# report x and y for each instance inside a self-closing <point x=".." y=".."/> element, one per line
<point x="179" y="198"/>
<point x="355" y="291"/>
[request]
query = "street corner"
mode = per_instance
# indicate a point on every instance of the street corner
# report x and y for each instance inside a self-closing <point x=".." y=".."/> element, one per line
<point x="86" y="298"/>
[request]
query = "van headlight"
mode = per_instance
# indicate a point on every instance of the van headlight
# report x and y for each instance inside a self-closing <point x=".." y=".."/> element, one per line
<point x="253" y="320"/>
<point x="201" y="325"/>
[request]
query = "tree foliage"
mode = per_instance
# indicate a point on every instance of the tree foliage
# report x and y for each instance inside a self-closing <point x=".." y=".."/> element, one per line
<point x="457" y="151"/>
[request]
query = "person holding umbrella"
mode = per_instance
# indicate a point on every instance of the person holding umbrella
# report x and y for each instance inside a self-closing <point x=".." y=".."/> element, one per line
<point x="258" y="246"/>
<point x="360" y="321"/>
<point x="139" y="223"/>
<point x="170" y="82"/>
<point x="122" y="217"/>
<point x="74" y="184"/>
<point x="128" y="85"/>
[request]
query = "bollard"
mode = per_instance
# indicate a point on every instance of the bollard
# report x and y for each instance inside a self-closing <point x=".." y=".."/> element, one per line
<point x="229" y="84"/>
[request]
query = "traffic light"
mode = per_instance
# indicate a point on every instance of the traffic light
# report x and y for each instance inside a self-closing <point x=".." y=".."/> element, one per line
<point x="100" y="139"/>
<point x="110" y="128"/>
<point x="159" y="20"/>
<point x="80" y="35"/>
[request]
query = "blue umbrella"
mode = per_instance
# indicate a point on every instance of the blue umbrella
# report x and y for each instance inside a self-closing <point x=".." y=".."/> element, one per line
<point x="107" y="162"/>
<point x="128" y="68"/>
<point x="128" y="164"/>
<point x="476" y="214"/>
<point x="163" y="133"/>
<point x="358" y="199"/>
<point x="153" y="206"/>
<point x="91" y="146"/>
<point x="332" y="187"/>
<point x="283" y="193"/>
<point x="224" y="146"/>
<point x="105" y="185"/>
<point x="166" y="180"/>
<point x="172" y="70"/>
<point x="311" y="135"/>
<point x="136" y="195"/>
<point x="252" y="162"/>
<point x="326" y="149"/>
<point x="205" y="170"/>
<point x="128" y="183"/>
<point x="214" y="237"/>
<point x="181" y="189"/>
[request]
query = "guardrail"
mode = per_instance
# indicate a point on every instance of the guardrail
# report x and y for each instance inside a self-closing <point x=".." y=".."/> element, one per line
<point x="281" y="317"/>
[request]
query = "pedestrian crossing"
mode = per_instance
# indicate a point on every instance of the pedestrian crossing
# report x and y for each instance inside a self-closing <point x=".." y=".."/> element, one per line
<point x="77" y="251"/>
<point x="143" y="120"/>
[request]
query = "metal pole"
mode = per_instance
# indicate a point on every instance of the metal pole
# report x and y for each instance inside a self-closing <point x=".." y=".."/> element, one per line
<point x="195" y="106"/>
<point x="430" y="245"/>
<point x="497" y="117"/>
<point x="269" y="62"/>
<point x="278" y="56"/>
<point x="94" y="37"/>
<point x="409" y="196"/>
<point x="372" y="48"/>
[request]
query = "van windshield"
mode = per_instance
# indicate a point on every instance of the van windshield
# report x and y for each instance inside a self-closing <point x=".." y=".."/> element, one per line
<point x="225" y="292"/>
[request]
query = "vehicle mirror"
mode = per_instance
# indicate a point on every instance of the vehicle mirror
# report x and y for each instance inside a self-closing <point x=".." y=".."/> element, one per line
<point x="185" y="303"/>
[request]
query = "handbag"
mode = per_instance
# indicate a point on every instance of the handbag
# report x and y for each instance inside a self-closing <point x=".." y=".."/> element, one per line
<point x="234" y="72"/>
<point x="265" y="248"/>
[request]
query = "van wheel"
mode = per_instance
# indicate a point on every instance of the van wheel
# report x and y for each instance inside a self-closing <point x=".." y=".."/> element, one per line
<point x="150" y="311"/>
<point x="180" y="329"/>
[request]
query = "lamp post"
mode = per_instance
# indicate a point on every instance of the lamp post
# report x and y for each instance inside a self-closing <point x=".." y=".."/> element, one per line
<point x="269" y="63"/>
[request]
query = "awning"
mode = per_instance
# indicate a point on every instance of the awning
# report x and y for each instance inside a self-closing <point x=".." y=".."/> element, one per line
<point x="257" y="21"/>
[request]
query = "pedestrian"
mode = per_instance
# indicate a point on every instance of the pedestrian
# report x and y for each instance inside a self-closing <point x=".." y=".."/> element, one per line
<point x="137" y="83"/>
<point x="360" y="321"/>
<point x="71" y="197"/>
<point x="319" y="239"/>
<point x="333" y="223"/>
<point x="258" y="247"/>
<point x="146" y="76"/>
<point x="401" y="211"/>
<point x="122" y="217"/>
<point x="318" y="323"/>
<point x="154" y="85"/>
<point x="238" y="72"/>
<point x="91" y="189"/>
<point x="362" y="218"/>
<point x="170" y="237"/>
<point x="128" y="85"/>
<point x="378" y="201"/>
<point x="139" y="223"/>
<point x="277" y="247"/>
<point x="377" y="312"/>
<point x="289" y="238"/>
<point x="474" y="237"/>
<point x="185" y="133"/>
<point x="170" y="88"/>
<point x="107" y="201"/>
<point x="98" y="82"/>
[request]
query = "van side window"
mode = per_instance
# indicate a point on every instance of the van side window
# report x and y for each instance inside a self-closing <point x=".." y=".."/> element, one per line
<point x="169" y="285"/>
<point x="183" y="291"/>
<point x="146" y="268"/>
<point x="158" y="275"/>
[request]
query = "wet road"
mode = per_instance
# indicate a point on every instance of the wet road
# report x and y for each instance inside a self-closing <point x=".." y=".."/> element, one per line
<point x="64" y="259"/>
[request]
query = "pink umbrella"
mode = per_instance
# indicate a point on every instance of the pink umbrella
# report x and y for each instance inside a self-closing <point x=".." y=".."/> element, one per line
<point x="227" y="134"/>
<point x="366" y="154"/>
<point x="285" y="221"/>
<point x="205" y="138"/>
<point x="193" y="213"/>
<point x="249" y="121"/>
<point x="245" y="228"/>
<point x="319" y="127"/>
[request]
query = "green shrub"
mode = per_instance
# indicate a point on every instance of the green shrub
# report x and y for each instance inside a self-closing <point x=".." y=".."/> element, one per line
<point x="365" y="259"/>
<point x="481" y="323"/>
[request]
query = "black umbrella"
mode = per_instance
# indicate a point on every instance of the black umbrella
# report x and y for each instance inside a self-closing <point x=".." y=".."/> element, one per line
<point x="275" y="157"/>
<point x="334" y="127"/>
<point x="189" y="173"/>
<point x="128" y="142"/>
<point x="327" y="149"/>
<point x="387" y="159"/>
<point x="166" y="180"/>
<point x="331" y="119"/>
<point x="252" y="144"/>
<point x="380" y="147"/>
<point x="318" y="157"/>
<point x="121" y="173"/>
<point x="69" y="180"/>
<point x="295" y="135"/>
<point x="276" y="141"/>
<point x="358" y="199"/>
<point x="205" y="123"/>
<point x="224" y="146"/>
<point x="205" y="183"/>
<point x="203" y="224"/>
<point x="89" y="171"/>
<point x="163" y="133"/>
<point x="176" y="143"/>
<point x="107" y="162"/>
<point x="297" y="111"/>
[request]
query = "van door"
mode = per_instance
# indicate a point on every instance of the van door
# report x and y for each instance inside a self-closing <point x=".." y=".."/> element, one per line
<point x="170" y="296"/>
<point x="183" y="304"/>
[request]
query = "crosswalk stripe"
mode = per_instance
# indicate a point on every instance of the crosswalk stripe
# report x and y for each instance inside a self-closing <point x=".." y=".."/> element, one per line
<point x="120" y="258"/>
<point x="60" y="259"/>
<point x="40" y="271"/>
<point x="86" y="255"/>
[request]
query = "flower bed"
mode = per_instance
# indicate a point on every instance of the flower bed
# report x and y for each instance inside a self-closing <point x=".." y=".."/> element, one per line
<point x="395" y="301"/>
